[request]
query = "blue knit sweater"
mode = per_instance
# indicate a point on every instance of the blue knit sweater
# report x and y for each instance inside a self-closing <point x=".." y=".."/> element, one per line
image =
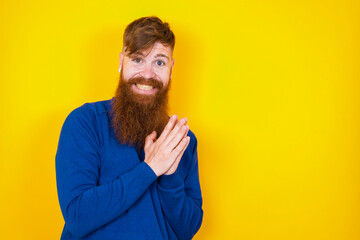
<point x="106" y="191"/>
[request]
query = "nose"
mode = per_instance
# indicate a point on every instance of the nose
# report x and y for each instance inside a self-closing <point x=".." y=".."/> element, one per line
<point x="147" y="72"/>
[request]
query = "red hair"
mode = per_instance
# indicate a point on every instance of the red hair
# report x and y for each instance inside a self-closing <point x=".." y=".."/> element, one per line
<point x="142" y="34"/>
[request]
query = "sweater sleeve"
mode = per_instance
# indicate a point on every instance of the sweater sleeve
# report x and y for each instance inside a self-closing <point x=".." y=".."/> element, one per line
<point x="181" y="200"/>
<point x="85" y="205"/>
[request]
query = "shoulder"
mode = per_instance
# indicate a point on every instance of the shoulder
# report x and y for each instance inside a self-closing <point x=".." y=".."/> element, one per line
<point x="89" y="111"/>
<point x="193" y="141"/>
<point x="189" y="159"/>
<point x="86" y="118"/>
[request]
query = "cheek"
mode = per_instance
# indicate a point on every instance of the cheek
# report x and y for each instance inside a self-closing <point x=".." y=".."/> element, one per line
<point x="129" y="73"/>
<point x="164" y="75"/>
<point x="129" y="70"/>
<point x="165" y="80"/>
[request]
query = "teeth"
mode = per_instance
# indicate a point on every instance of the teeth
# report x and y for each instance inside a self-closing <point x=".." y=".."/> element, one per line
<point x="144" y="87"/>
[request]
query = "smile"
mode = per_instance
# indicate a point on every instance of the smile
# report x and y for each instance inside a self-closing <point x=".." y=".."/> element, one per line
<point x="144" y="87"/>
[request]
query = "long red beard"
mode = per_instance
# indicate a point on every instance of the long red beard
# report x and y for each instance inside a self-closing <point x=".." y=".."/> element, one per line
<point x="135" y="116"/>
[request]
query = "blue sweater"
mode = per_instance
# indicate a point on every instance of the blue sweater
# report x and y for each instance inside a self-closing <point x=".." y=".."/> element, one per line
<point x="107" y="191"/>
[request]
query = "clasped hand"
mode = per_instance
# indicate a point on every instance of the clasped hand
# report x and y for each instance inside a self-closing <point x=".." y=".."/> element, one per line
<point x="163" y="154"/>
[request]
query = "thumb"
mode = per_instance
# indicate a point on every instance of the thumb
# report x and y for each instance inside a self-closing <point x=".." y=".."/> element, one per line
<point x="150" y="139"/>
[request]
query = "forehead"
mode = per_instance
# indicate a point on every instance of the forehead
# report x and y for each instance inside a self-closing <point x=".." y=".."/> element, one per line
<point x="157" y="50"/>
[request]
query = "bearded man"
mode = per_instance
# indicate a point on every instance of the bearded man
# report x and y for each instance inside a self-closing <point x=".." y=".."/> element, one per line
<point x="124" y="169"/>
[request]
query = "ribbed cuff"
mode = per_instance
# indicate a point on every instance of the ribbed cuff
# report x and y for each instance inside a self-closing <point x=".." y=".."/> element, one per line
<point x="170" y="181"/>
<point x="146" y="171"/>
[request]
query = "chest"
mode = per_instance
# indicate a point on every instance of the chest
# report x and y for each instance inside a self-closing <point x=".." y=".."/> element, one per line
<point x="115" y="160"/>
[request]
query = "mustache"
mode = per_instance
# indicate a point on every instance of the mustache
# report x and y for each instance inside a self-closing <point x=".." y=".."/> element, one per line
<point x="150" y="81"/>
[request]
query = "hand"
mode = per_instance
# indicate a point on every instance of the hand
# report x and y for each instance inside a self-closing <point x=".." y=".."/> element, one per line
<point x="163" y="155"/>
<point x="173" y="168"/>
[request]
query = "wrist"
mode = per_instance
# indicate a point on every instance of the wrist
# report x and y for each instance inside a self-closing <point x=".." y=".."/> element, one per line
<point x="170" y="181"/>
<point x="151" y="165"/>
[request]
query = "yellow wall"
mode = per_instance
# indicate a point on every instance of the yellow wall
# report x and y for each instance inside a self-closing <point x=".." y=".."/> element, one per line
<point x="271" y="89"/>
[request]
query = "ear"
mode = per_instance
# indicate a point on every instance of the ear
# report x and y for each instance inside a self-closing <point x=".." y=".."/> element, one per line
<point x="121" y="58"/>
<point x="171" y="67"/>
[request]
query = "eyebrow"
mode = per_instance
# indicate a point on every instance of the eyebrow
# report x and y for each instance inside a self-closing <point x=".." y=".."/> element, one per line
<point x="136" y="54"/>
<point x="140" y="54"/>
<point x="162" y="55"/>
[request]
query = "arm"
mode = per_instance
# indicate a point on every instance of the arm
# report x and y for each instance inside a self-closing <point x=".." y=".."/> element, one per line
<point x="181" y="199"/>
<point x="86" y="206"/>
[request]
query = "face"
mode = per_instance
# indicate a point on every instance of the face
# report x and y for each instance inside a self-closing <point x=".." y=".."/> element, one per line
<point x="152" y="64"/>
<point x="141" y="102"/>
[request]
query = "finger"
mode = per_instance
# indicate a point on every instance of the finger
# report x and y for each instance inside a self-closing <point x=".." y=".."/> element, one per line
<point x="179" y="148"/>
<point x="178" y="128"/>
<point x="187" y="131"/>
<point x="187" y="144"/>
<point x="149" y="139"/>
<point x="175" y="165"/>
<point x="182" y="152"/>
<point x="169" y="126"/>
<point x="186" y="134"/>
<point x="178" y="137"/>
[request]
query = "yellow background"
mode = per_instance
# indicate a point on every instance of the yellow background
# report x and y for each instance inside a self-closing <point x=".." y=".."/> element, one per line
<point x="270" y="88"/>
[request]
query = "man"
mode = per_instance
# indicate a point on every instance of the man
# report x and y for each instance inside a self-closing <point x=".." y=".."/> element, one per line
<point x="124" y="169"/>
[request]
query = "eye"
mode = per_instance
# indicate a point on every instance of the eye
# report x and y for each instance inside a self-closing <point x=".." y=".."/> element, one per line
<point x="137" y="60"/>
<point x="160" y="63"/>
